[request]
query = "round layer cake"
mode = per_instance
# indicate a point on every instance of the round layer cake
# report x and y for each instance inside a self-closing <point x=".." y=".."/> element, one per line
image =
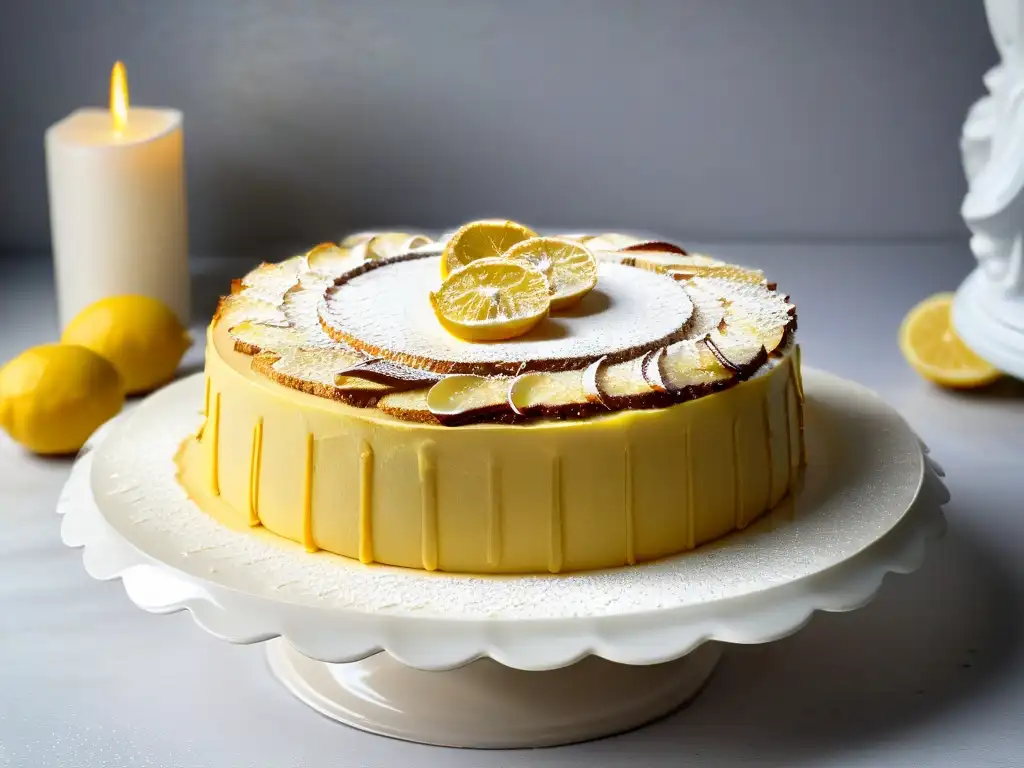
<point x="660" y="412"/>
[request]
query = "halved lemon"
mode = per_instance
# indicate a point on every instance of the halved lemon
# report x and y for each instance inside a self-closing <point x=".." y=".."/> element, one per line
<point x="492" y="299"/>
<point x="481" y="240"/>
<point x="570" y="267"/>
<point x="932" y="347"/>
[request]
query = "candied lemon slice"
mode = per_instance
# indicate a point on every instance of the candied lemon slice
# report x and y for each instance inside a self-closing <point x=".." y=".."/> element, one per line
<point x="491" y="300"/>
<point x="934" y="350"/>
<point x="481" y="240"/>
<point x="570" y="267"/>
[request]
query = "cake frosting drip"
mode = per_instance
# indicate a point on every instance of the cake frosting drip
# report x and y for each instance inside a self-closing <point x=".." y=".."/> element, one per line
<point x="353" y="322"/>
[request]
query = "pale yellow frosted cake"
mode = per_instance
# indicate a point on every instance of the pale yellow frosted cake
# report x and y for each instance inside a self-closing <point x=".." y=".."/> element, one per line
<point x="634" y="402"/>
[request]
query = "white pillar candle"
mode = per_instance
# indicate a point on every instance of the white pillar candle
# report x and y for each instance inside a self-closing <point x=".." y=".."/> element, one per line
<point x="118" y="212"/>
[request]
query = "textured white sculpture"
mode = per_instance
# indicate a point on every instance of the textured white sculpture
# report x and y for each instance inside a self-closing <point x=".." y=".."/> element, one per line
<point x="989" y="310"/>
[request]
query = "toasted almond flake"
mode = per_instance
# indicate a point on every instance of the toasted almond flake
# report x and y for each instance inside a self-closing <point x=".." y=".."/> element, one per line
<point x="623" y="383"/>
<point x="650" y="368"/>
<point x="388" y="374"/>
<point x="329" y="259"/>
<point x="718" y="271"/>
<point x="548" y="393"/>
<point x="740" y="352"/>
<point x="691" y="365"/>
<point x="593" y="392"/>
<point x="251" y="337"/>
<point x="356" y="238"/>
<point x="270" y="281"/>
<point x="390" y="244"/>
<point x="708" y="312"/>
<point x="658" y="246"/>
<point x="238" y="307"/>
<point x="749" y="307"/>
<point x="408" y="405"/>
<point x="611" y="241"/>
<point x="467" y="395"/>
<point x="313" y="371"/>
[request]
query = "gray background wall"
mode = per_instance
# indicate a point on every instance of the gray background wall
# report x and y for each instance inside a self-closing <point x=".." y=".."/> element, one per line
<point x="711" y="119"/>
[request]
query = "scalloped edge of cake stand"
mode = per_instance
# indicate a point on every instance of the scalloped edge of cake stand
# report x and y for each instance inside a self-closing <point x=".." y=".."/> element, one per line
<point x="480" y="702"/>
<point x="985" y="320"/>
<point x="484" y="704"/>
<point x="336" y="634"/>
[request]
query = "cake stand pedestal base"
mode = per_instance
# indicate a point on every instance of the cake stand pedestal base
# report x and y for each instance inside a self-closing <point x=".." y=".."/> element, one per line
<point x="488" y="705"/>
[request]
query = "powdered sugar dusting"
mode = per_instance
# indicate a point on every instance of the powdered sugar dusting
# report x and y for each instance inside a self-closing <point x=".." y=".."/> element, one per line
<point x="389" y="309"/>
<point x="836" y="514"/>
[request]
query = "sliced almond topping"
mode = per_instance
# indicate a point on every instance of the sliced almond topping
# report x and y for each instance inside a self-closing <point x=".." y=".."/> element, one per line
<point x="708" y="312"/>
<point x="547" y="393"/>
<point x="354" y="239"/>
<point x="299" y="307"/>
<point x="389" y="244"/>
<point x="590" y="388"/>
<point x="251" y="337"/>
<point x="467" y="396"/>
<point x="692" y="364"/>
<point x="408" y="405"/>
<point x="313" y="371"/>
<point x="238" y="307"/>
<point x="331" y="259"/>
<point x="650" y="367"/>
<point x="742" y="353"/>
<point x="646" y="256"/>
<point x="658" y="246"/>
<point x="718" y="271"/>
<point x="751" y="309"/>
<point x="387" y="373"/>
<point x="623" y="383"/>
<point x="270" y="281"/>
<point x="610" y="241"/>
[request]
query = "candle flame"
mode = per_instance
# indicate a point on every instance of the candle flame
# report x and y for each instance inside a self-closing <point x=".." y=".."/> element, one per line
<point x="119" y="96"/>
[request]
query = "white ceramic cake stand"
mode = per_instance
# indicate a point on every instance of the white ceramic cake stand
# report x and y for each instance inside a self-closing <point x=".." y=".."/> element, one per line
<point x="512" y="661"/>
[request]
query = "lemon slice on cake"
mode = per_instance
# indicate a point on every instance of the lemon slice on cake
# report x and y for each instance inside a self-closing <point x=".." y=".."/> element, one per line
<point x="492" y="299"/>
<point x="570" y="267"/>
<point x="932" y="347"/>
<point x="481" y="240"/>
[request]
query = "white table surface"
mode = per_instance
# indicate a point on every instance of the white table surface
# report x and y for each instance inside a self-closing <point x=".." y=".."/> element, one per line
<point x="930" y="674"/>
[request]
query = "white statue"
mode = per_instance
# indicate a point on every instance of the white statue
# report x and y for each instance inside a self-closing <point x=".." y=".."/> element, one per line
<point x="993" y="155"/>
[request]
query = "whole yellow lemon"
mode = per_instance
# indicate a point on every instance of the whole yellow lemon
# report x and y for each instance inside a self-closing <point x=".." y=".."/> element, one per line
<point x="54" y="396"/>
<point x="139" y="335"/>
